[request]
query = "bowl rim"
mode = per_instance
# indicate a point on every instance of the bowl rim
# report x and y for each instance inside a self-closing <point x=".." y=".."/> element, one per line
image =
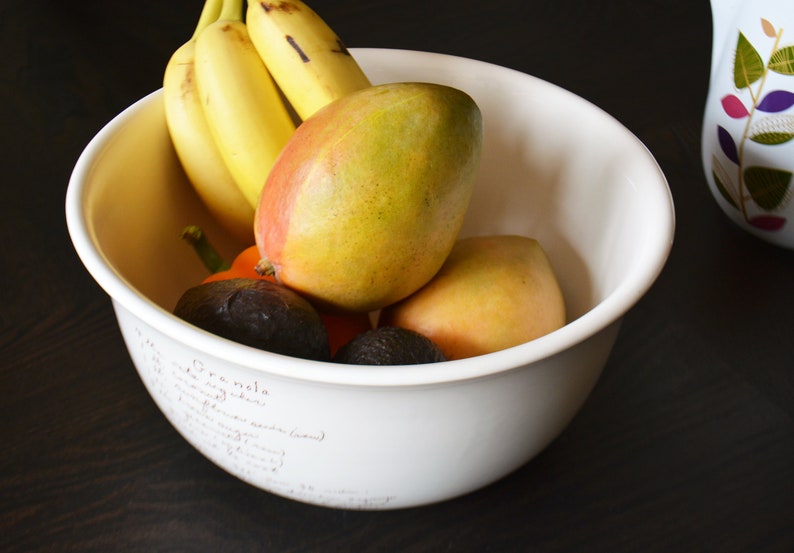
<point x="607" y="312"/>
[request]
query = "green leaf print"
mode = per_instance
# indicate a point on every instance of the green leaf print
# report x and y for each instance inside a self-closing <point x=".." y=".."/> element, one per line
<point x="748" y="66"/>
<point x="768" y="187"/>
<point x="782" y="61"/>
<point x="772" y="138"/>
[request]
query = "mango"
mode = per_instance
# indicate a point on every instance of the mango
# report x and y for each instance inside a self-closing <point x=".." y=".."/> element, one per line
<point x="492" y="293"/>
<point x="367" y="198"/>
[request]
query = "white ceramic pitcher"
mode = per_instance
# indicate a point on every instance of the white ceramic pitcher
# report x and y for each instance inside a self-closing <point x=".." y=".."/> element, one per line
<point x="748" y="123"/>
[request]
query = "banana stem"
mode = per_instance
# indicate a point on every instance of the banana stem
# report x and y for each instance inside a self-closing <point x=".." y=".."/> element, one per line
<point x="232" y="10"/>
<point x="209" y="14"/>
<point x="194" y="236"/>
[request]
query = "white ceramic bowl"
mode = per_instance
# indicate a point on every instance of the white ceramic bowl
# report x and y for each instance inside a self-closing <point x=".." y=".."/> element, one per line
<point x="554" y="167"/>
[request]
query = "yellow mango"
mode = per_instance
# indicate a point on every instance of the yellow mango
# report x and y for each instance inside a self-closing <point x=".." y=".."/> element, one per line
<point x="366" y="200"/>
<point x="492" y="293"/>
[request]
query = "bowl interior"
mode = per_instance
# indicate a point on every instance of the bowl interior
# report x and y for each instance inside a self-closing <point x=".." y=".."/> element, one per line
<point x="554" y="167"/>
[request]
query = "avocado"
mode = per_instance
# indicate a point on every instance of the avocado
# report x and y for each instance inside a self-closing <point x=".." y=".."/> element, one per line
<point x="257" y="313"/>
<point x="389" y="345"/>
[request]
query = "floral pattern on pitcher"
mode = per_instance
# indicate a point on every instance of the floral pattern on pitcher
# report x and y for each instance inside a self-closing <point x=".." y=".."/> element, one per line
<point x="769" y="122"/>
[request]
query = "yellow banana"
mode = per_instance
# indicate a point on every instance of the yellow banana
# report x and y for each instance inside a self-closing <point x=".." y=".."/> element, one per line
<point x="303" y="54"/>
<point x="193" y="142"/>
<point x="244" y="109"/>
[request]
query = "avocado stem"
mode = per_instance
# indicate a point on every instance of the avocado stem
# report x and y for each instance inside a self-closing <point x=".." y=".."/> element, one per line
<point x="193" y="235"/>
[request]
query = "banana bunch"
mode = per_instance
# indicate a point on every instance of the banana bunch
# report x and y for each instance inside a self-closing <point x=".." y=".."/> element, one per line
<point x="229" y="91"/>
<point x="194" y="145"/>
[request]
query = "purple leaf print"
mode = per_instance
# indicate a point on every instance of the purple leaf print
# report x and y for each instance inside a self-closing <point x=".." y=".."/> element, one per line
<point x="727" y="144"/>
<point x="776" y="101"/>
<point x="734" y="107"/>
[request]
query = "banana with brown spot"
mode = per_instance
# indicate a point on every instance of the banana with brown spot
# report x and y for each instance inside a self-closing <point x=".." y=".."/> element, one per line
<point x="303" y="54"/>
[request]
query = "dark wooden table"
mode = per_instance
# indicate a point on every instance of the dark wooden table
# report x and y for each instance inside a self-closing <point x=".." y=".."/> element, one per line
<point x="686" y="444"/>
